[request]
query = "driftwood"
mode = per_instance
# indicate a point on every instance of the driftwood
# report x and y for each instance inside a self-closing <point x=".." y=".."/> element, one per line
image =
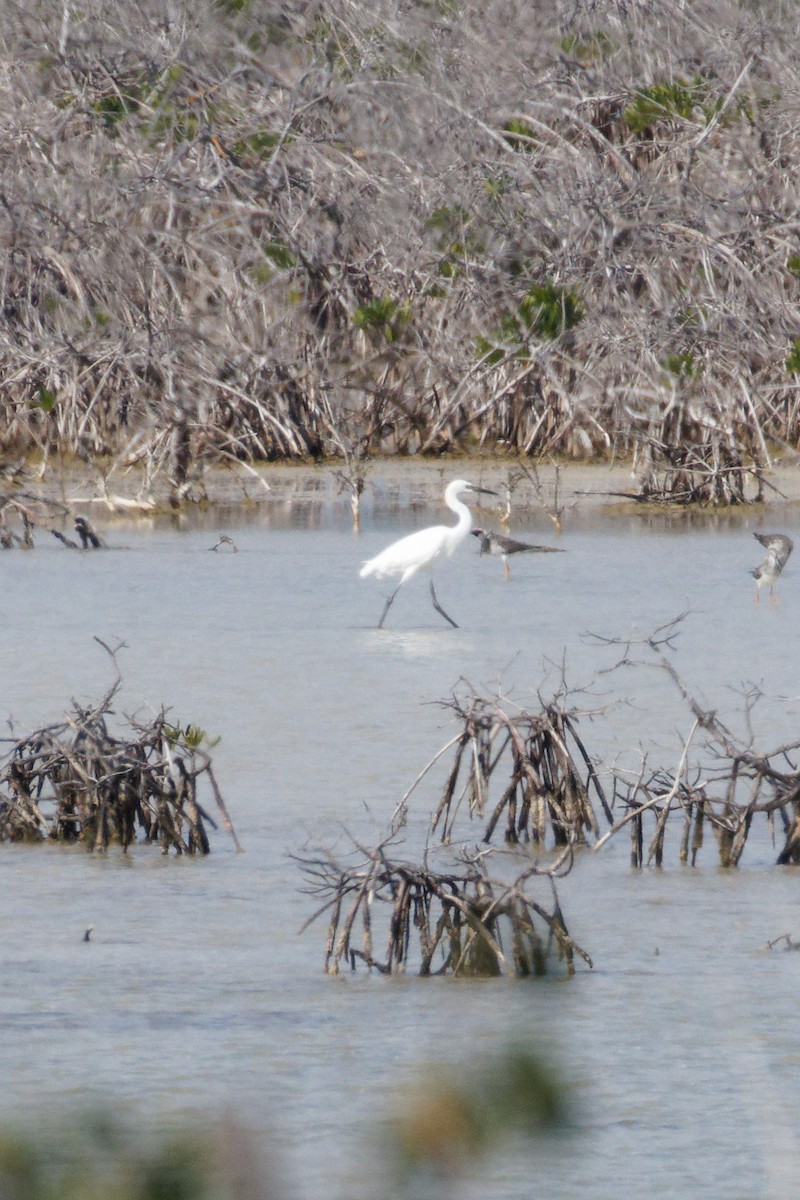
<point x="549" y="500"/>
<point x="89" y="538"/>
<point x="76" y="781"/>
<point x="689" y="476"/>
<point x="550" y="791"/>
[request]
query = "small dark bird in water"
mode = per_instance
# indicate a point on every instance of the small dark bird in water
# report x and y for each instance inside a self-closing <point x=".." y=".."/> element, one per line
<point x="778" y="547"/>
<point x="87" y="937"/>
<point x="86" y="532"/>
<point x="502" y="546"/>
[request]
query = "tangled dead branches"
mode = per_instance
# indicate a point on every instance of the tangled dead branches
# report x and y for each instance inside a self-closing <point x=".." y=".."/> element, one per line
<point x="76" y="781"/>
<point x="550" y="782"/>
<point x="206" y="263"/>
<point x="728" y="784"/>
<point x="476" y="925"/>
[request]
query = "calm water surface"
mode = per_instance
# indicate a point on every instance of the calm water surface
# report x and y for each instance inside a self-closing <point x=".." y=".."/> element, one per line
<point x="196" y="995"/>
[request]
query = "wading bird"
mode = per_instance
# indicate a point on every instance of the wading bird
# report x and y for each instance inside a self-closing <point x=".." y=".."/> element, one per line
<point x="778" y="547"/>
<point x="421" y="549"/>
<point x="502" y="546"/>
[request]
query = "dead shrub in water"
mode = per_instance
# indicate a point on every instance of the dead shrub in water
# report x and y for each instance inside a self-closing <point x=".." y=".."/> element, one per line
<point x="77" y="782"/>
<point x="733" y="784"/>
<point x="476" y="926"/>
<point x="477" y="923"/>
<point x="550" y="784"/>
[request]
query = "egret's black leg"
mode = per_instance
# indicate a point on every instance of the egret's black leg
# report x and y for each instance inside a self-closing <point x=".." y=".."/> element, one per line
<point x="439" y="608"/>
<point x="387" y="606"/>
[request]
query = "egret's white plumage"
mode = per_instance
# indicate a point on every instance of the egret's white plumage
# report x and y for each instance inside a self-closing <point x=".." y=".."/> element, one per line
<point x="779" y="547"/>
<point x="421" y="549"/>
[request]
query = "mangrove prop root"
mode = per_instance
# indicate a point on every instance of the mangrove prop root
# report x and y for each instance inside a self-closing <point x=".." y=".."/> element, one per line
<point x="730" y="785"/>
<point x="76" y="781"/>
<point x="457" y="922"/>
<point x="550" y="785"/>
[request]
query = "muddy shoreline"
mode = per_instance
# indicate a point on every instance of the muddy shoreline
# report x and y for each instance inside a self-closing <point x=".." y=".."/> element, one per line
<point x="66" y="490"/>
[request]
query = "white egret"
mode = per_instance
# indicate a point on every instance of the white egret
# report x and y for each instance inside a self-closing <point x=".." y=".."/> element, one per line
<point x="779" y="547"/>
<point x="421" y="549"/>
<point x="500" y="545"/>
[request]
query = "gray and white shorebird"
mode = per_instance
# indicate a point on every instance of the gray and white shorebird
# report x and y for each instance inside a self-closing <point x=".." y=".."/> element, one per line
<point x="502" y="546"/>
<point x="778" y="547"/>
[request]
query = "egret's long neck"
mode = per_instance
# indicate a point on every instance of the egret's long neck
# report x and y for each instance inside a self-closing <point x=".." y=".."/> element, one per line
<point x="464" y="523"/>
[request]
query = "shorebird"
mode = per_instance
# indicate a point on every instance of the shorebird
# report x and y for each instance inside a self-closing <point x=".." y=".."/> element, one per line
<point x="502" y="546"/>
<point x="421" y="549"/>
<point x="87" y="534"/>
<point x="778" y="547"/>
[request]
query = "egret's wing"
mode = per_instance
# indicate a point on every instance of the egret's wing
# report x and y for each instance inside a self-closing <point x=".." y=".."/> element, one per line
<point x="408" y="554"/>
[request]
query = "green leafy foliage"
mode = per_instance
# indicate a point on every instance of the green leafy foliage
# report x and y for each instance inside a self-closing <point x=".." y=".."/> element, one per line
<point x="340" y="49"/>
<point x="101" y="1157"/>
<point x="520" y="134"/>
<point x="682" y="365"/>
<point x="115" y="106"/>
<point x="191" y="736"/>
<point x="456" y="238"/>
<point x="173" y="121"/>
<point x="448" y="220"/>
<point x="383" y="314"/>
<point x="687" y="100"/>
<point x="548" y="310"/>
<point x="277" y="257"/>
<point x="545" y="312"/>
<point x="665" y="101"/>
<point x="444" y="1126"/>
<point x="46" y="400"/>
<point x="151" y="99"/>
<point x="375" y="313"/>
<point x="793" y="358"/>
<point x="261" y="144"/>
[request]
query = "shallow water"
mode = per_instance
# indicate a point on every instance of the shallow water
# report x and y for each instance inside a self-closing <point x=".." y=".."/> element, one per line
<point x="197" y="996"/>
